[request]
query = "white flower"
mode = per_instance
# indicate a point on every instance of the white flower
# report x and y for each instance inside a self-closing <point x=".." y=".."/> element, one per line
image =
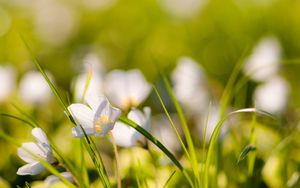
<point x="213" y="118"/>
<point x="7" y="82"/>
<point x="93" y="71"/>
<point x="34" y="88"/>
<point x="51" y="180"/>
<point x="264" y="61"/>
<point x="126" y="89"/>
<point x="127" y="136"/>
<point x="189" y="85"/>
<point x="272" y="95"/>
<point x="30" y="150"/>
<point x="96" y="119"/>
<point x="54" y="22"/>
<point x="163" y="131"/>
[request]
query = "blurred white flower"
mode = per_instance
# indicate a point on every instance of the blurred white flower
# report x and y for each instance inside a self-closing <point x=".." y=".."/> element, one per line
<point x="182" y="8"/>
<point x="34" y="88"/>
<point x="127" y="136"/>
<point x="93" y="72"/>
<point x="264" y="61"/>
<point x="212" y="121"/>
<point x="7" y="82"/>
<point x="30" y="150"/>
<point x="272" y="95"/>
<point x="55" y="22"/>
<point x="162" y="130"/>
<point x="189" y="85"/>
<point x="96" y="119"/>
<point x="126" y="89"/>
<point x="51" y="180"/>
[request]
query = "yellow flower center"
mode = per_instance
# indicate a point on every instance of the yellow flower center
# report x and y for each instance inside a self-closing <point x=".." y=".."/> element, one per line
<point x="129" y="102"/>
<point x="102" y="120"/>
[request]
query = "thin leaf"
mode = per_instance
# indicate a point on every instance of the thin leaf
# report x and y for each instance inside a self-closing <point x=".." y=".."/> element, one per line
<point x="172" y="123"/>
<point x="157" y="143"/>
<point x="118" y="174"/>
<point x="28" y="117"/>
<point x="252" y="156"/>
<point x="245" y="152"/>
<point x="95" y="156"/>
<point x="185" y="129"/>
<point x="83" y="168"/>
<point x="215" y="134"/>
<point x="204" y="135"/>
<point x="19" y="119"/>
<point x="41" y="70"/>
<point x="152" y="139"/>
<point x="227" y="93"/>
<point x="169" y="179"/>
<point x="27" y="185"/>
<point x="87" y="83"/>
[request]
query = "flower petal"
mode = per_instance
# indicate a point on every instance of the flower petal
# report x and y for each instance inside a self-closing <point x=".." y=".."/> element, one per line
<point x="102" y="109"/>
<point x="147" y="115"/>
<point x="25" y="156"/>
<point x="115" y="113"/>
<point x="40" y="136"/>
<point x="82" y="114"/>
<point x="53" y="179"/>
<point x="31" y="169"/>
<point x="123" y="135"/>
<point x="32" y="150"/>
<point x="141" y="119"/>
<point x="94" y="101"/>
<point x="138" y="87"/>
<point x="29" y="150"/>
<point x="77" y="131"/>
<point x="116" y="87"/>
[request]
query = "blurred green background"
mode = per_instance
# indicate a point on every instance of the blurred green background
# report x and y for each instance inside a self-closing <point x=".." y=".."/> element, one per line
<point x="134" y="33"/>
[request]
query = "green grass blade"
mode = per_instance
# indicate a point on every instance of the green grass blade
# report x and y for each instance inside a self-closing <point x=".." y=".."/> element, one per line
<point x="204" y="137"/>
<point x="185" y="129"/>
<point x="252" y="155"/>
<point x="98" y="164"/>
<point x="51" y="85"/>
<point x="28" y="117"/>
<point x="19" y="119"/>
<point x="157" y="143"/>
<point x="66" y="162"/>
<point x="172" y="123"/>
<point x="87" y="83"/>
<point x="169" y="179"/>
<point x="229" y="88"/>
<point x="152" y="139"/>
<point x="215" y="135"/>
<point x="27" y="185"/>
<point x="83" y="168"/>
<point x="246" y="151"/>
<point x="90" y="146"/>
<point x="117" y="164"/>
